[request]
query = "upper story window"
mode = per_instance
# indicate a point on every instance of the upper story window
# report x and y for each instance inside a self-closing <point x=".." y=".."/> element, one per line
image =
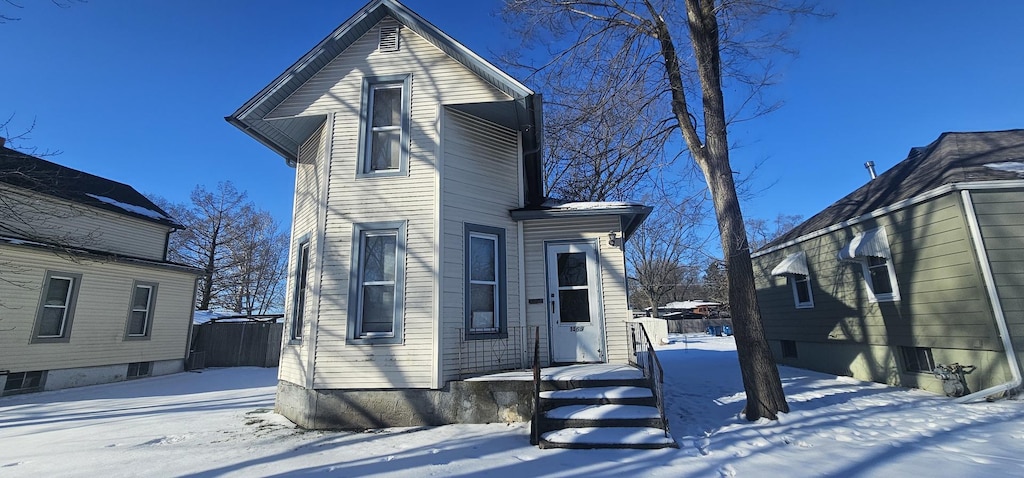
<point x="56" y="307"/>
<point x="140" y="317"/>
<point x="794" y="268"/>
<point x="871" y="250"/>
<point x="485" y="282"/>
<point x="377" y="287"/>
<point x="384" y="126"/>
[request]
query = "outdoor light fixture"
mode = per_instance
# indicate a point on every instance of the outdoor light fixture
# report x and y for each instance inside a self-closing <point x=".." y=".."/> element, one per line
<point x="613" y="239"/>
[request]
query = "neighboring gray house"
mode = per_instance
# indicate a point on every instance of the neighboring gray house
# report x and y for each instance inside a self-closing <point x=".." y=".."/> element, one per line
<point x="86" y="292"/>
<point x="922" y="266"/>
<point x="423" y="250"/>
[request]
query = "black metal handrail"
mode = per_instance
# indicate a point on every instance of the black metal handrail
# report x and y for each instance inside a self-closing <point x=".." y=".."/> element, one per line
<point x="535" y="422"/>
<point x="643" y="356"/>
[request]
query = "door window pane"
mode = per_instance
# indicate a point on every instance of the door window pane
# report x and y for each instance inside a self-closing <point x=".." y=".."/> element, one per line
<point x="572" y="269"/>
<point x="574" y="305"/>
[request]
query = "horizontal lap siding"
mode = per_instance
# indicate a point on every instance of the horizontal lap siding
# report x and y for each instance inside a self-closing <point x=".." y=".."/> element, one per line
<point x="100" y="317"/>
<point x="64" y="222"/>
<point x="943" y="302"/>
<point x="480" y="185"/>
<point x="436" y="79"/>
<point x="306" y="208"/>
<point x="613" y="287"/>
<point x="1001" y="219"/>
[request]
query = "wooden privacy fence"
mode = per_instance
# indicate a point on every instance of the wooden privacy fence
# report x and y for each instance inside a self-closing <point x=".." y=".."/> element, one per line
<point x="236" y="344"/>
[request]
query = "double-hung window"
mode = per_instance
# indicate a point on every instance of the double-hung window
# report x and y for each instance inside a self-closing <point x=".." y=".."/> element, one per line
<point x="794" y="268"/>
<point x="140" y="316"/>
<point x="485" y="282"/>
<point x="299" y="298"/>
<point x="384" y="128"/>
<point x="376" y="292"/>
<point x="56" y="307"/>
<point x="871" y="249"/>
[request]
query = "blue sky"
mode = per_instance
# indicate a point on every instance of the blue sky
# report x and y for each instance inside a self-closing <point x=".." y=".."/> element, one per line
<point x="137" y="91"/>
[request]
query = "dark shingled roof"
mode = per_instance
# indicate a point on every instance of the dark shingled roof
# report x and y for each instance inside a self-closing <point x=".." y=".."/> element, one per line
<point x="953" y="158"/>
<point x="41" y="176"/>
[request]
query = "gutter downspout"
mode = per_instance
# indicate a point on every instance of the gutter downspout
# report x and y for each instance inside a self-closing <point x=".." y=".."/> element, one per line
<point x="997" y="308"/>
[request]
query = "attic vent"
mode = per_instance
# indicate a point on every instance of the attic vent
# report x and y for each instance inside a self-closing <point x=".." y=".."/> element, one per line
<point x="388" y="38"/>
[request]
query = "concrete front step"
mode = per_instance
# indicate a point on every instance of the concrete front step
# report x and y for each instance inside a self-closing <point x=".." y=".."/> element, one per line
<point x="551" y="385"/>
<point x="607" y="437"/>
<point x="606" y="393"/>
<point x="605" y="415"/>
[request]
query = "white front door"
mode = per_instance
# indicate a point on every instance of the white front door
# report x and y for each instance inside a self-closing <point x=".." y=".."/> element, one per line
<point x="574" y="303"/>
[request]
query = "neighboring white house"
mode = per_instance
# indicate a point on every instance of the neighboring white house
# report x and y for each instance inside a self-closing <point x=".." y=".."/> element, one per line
<point x="423" y="249"/>
<point x="86" y="292"/>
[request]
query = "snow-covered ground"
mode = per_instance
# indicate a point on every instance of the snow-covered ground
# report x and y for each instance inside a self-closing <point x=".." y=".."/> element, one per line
<point x="220" y="423"/>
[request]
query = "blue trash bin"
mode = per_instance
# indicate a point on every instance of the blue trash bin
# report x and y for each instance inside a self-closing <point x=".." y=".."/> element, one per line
<point x="726" y="330"/>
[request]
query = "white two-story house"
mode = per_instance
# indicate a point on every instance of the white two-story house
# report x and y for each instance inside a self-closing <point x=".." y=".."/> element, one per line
<point x="423" y="249"/>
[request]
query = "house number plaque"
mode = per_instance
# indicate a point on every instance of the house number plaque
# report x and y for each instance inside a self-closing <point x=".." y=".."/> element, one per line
<point x="577" y="328"/>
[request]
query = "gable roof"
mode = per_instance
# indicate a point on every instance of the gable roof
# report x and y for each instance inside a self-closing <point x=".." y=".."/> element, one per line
<point x="44" y="177"/>
<point x="952" y="158"/>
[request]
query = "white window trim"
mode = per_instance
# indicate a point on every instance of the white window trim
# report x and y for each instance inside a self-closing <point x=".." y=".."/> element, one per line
<point x="366" y="129"/>
<point x="356" y="285"/>
<point x="149" y="310"/>
<point x="298" y="319"/>
<point x="792" y="279"/>
<point x="69" y="307"/>
<point x="493" y="283"/>
<point x="497" y="235"/>
<point x="893" y="296"/>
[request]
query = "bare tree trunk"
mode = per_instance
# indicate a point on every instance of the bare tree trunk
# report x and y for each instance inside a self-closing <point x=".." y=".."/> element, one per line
<point x="760" y="375"/>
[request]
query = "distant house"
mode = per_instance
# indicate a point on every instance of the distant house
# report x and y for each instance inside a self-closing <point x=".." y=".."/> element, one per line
<point x="423" y="249"/>
<point x="922" y="266"/>
<point x="87" y="295"/>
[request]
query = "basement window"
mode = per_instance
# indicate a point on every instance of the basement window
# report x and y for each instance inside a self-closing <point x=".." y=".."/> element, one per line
<point x="788" y="348"/>
<point x="24" y="382"/>
<point x="139" y="369"/>
<point x="917" y="359"/>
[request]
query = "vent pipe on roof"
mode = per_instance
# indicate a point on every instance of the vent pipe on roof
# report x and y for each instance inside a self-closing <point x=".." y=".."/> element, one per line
<point x="2" y="141"/>
<point x="871" y="168"/>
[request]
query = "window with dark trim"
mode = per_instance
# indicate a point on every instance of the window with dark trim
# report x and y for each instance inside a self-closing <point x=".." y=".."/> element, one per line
<point x="384" y="126"/>
<point x="24" y="382"/>
<point x="139" y="369"/>
<point x="299" y="296"/>
<point x="56" y="307"/>
<point x="377" y="284"/>
<point x="486" y="289"/>
<point x="917" y="359"/>
<point x="140" y="314"/>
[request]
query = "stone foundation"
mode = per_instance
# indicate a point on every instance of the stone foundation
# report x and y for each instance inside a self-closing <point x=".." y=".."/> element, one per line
<point x="458" y="402"/>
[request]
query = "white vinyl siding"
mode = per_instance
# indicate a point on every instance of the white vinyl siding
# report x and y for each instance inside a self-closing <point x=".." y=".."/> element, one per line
<point x="307" y="212"/>
<point x="613" y="270"/>
<point x="480" y="186"/>
<point x="98" y="334"/>
<point x="64" y="222"/>
<point x="435" y="79"/>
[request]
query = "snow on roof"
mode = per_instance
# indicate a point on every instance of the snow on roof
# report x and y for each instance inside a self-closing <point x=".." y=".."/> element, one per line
<point x="1008" y="166"/>
<point x="689" y="304"/>
<point x="556" y="203"/>
<point x="204" y="316"/>
<point x="130" y="207"/>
